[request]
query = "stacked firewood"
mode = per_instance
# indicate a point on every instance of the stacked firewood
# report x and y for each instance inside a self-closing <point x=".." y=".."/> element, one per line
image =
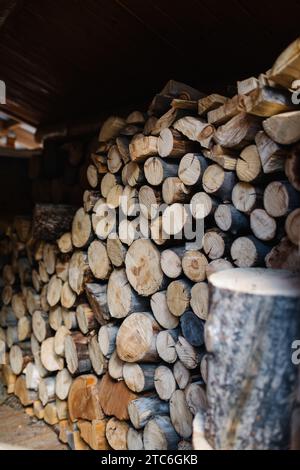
<point x="102" y="326"/>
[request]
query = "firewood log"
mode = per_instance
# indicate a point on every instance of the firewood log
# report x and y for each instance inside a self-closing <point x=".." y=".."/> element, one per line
<point x="97" y="298"/>
<point x="129" y="201"/>
<point x="210" y="102"/>
<point x="280" y="198"/>
<point x="136" y="338"/>
<point x="62" y="269"/>
<point x="216" y="243"/>
<point x="164" y="382"/>
<point x="218" y="182"/>
<point x="111" y="128"/>
<point x="63" y="383"/>
<point x="134" y="439"/>
<point x="47" y="390"/>
<point x="178" y="296"/>
<point x="67" y="296"/>
<point x="114" y="196"/>
<point x="69" y="319"/>
<point x="38" y="409"/>
<point x="59" y="340"/>
<point x="267" y="101"/>
<point x="115" y="397"/>
<point x="98" y="361"/>
<point x="171" y="143"/>
<point x="90" y="198"/>
<point x="224" y="113"/>
<point x="44" y="276"/>
<point x="18" y="304"/>
<point x="187" y="354"/>
<point x="244" y="291"/>
<point x="36" y="352"/>
<point x="55" y="317"/>
<point x="292" y="225"/>
<point x="26" y="397"/>
<point x="92" y="176"/>
<point x="149" y="201"/>
<point x="248" y="252"/>
<point x="286" y="67"/>
<point x="202" y="205"/>
<point x="173" y="190"/>
<point x="142" y="147"/>
<point x="85" y="318"/>
<point x="79" y="271"/>
<point x="83" y="399"/>
<point x="157" y="170"/>
<point x="143" y="409"/>
<point x="54" y="290"/>
<point x="195" y="129"/>
<point x="195" y="395"/>
<point x="246" y="197"/>
<point x="115" y="366"/>
<point x="77" y="353"/>
<point x="93" y="433"/>
<point x="49" y="257"/>
<point x="36" y="280"/>
<point x="107" y="339"/>
<point x="122" y="143"/>
<point x="174" y="219"/>
<point x="272" y="155"/>
<point x="160" y="434"/>
<point x="61" y="409"/>
<point x="248" y="168"/>
<point x="228" y="218"/>
<point x="192" y="328"/>
<point x="12" y="336"/>
<point x="191" y="168"/>
<point x="225" y="157"/>
<point x="114" y="159"/>
<point x="283" y="128"/>
<point x="194" y="265"/>
<point x="33" y="300"/>
<point x="116" y="434"/>
<point x="19" y="356"/>
<point x="161" y="311"/>
<point x="116" y="251"/>
<point x="139" y="377"/>
<point x="24" y="328"/>
<point x="50" y="360"/>
<point x="132" y="174"/>
<point x="104" y="217"/>
<point x="8" y="377"/>
<point x="262" y="225"/>
<point x="180" y="415"/>
<point x="238" y="132"/>
<point x="107" y="183"/>
<point x="165" y="345"/>
<point x="199" y="300"/>
<point x="81" y="229"/>
<point x="170" y="261"/>
<point x="166" y="120"/>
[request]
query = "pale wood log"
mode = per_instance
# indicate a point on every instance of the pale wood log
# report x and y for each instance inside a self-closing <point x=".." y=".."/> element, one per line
<point x="246" y="197"/>
<point x="114" y="196"/>
<point x="136" y="338"/>
<point x="248" y="252"/>
<point x="111" y="128"/>
<point x="262" y="225"/>
<point x="51" y="221"/>
<point x="49" y="257"/>
<point x="36" y="280"/>
<point x="97" y="298"/>
<point x="199" y="300"/>
<point x="79" y="271"/>
<point x="157" y="170"/>
<point x="9" y="378"/>
<point x="285" y="255"/>
<point x="77" y="353"/>
<point x="12" y="336"/>
<point x="267" y="101"/>
<point x="196" y="129"/>
<point x="81" y="229"/>
<point x="224" y="113"/>
<point x="63" y="383"/>
<point x="202" y="205"/>
<point x="187" y="354"/>
<point x="68" y="296"/>
<point x="178" y="296"/>
<point x="225" y="157"/>
<point x="44" y="276"/>
<point x="170" y="261"/>
<point x="93" y="433"/>
<point x="228" y="218"/>
<point x="24" y="328"/>
<point x="83" y="398"/>
<point x="92" y="176"/>
<point x="107" y="183"/>
<point x="103" y="219"/>
<point x="62" y="269"/>
<point x="54" y="291"/>
<point x="122" y="143"/>
<point x="218" y="182"/>
<point x="114" y="159"/>
<point x="134" y="439"/>
<point x="132" y="174"/>
<point x="55" y="317"/>
<point x="272" y="155"/>
<point x="215" y="243"/>
<point x="292" y="227"/>
<point x="191" y="168"/>
<point x="160" y="434"/>
<point x="161" y="311"/>
<point x="116" y="434"/>
<point x="181" y="417"/>
<point x="287" y="66"/>
<point x="50" y="360"/>
<point x="172" y="144"/>
<point x="280" y="198"/>
<point x="61" y="409"/>
<point x="149" y="201"/>
<point x="69" y="319"/>
<point x="129" y="201"/>
<point x="116" y="251"/>
<point x="64" y="243"/>
<point x="236" y="309"/>
<point x="40" y="325"/>
<point x="246" y="86"/>
<point x="238" y="132"/>
<point x="50" y="414"/>
<point x="2" y="352"/>
<point x="98" y="361"/>
<point x="18" y="303"/>
<point x="283" y="128"/>
<point x="166" y="120"/>
<point x="121" y="298"/>
<point x="210" y="102"/>
<point x="85" y="318"/>
<point x="248" y="166"/>
<point x="38" y="409"/>
<point x="195" y="395"/>
<point x="115" y="397"/>
<point x="164" y="382"/>
<point x="142" y="147"/>
<point x="107" y="339"/>
<point x="174" y="219"/>
<point x="59" y="340"/>
<point x="36" y="351"/>
<point x="165" y="345"/>
<point x="26" y="397"/>
<point x="173" y="190"/>
<point x="139" y="377"/>
<point x="19" y="356"/>
<point x="143" y="409"/>
<point x="194" y="265"/>
<point x="192" y="328"/>
<point x="143" y="267"/>
<point x="47" y="390"/>
<point x="115" y="366"/>
<point x="292" y="167"/>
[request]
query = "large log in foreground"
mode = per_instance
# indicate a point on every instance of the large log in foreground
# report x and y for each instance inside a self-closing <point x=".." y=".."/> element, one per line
<point x="260" y="307"/>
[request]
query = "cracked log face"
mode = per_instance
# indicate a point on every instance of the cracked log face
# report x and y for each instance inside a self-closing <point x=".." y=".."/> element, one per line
<point x="253" y="313"/>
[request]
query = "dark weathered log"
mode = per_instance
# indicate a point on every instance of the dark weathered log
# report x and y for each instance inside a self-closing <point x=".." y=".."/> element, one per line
<point x="97" y="298"/>
<point x="261" y="307"/>
<point x="51" y="221"/>
<point x="192" y="328"/>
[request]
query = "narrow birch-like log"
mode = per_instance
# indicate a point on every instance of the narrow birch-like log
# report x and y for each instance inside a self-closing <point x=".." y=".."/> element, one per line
<point x="139" y="377"/>
<point x="160" y="434"/>
<point x="63" y="383"/>
<point x="161" y="311"/>
<point x="143" y="409"/>
<point x="165" y="345"/>
<point x="164" y="382"/>
<point x="181" y="417"/>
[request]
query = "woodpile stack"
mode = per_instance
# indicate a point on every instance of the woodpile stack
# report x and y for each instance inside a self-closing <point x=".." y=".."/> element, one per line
<point x="103" y="329"/>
